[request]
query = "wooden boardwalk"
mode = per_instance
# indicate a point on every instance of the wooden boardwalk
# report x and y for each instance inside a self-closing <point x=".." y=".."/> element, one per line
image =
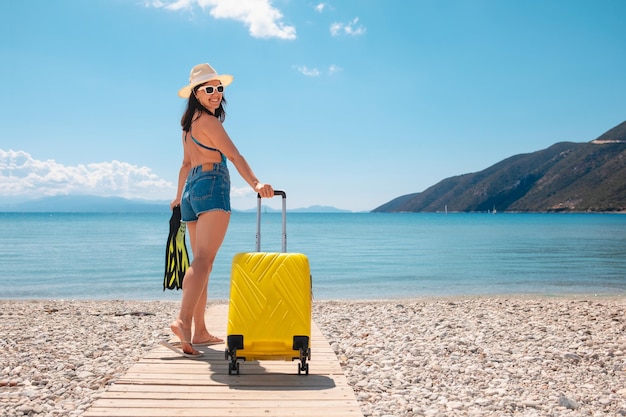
<point x="164" y="384"/>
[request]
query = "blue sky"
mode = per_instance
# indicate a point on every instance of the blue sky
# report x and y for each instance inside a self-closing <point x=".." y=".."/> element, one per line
<point x="341" y="103"/>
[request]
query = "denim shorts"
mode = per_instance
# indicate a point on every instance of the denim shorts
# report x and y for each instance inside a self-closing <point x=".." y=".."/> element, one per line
<point x="207" y="189"/>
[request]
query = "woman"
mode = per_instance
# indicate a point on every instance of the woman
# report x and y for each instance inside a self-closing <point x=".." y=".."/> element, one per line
<point x="204" y="195"/>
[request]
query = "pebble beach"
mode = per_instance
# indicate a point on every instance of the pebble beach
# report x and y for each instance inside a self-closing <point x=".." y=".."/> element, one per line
<point x="478" y="356"/>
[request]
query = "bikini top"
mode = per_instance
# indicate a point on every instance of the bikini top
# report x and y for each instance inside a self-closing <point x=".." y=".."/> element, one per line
<point x="223" y="163"/>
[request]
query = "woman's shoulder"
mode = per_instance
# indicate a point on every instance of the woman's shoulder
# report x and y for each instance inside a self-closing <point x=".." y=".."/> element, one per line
<point x="207" y="121"/>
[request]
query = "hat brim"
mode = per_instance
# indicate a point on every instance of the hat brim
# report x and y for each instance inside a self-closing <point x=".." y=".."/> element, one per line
<point x="185" y="92"/>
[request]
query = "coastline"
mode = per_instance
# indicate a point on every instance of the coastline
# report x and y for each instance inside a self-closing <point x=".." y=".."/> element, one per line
<point x="427" y="356"/>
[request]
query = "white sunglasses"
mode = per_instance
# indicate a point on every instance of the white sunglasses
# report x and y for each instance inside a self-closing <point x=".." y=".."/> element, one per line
<point x="210" y="89"/>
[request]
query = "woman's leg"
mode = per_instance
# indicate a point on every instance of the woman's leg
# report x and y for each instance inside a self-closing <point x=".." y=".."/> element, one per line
<point x="200" y="333"/>
<point x="207" y="235"/>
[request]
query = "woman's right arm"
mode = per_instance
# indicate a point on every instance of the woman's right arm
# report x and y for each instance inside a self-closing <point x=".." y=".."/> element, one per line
<point x="220" y="140"/>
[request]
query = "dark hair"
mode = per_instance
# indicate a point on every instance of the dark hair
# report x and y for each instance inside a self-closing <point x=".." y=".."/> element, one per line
<point x="194" y="107"/>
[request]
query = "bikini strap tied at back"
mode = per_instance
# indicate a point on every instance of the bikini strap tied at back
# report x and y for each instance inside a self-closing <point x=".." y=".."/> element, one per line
<point x="197" y="142"/>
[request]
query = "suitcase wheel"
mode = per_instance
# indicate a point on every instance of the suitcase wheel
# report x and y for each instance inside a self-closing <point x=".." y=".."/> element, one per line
<point x="233" y="367"/>
<point x="303" y="367"/>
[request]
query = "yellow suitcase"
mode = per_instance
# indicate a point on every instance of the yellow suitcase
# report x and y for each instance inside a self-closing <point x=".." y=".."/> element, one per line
<point x="269" y="312"/>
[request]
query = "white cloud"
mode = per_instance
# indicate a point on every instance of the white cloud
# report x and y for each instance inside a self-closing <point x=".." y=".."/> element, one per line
<point x="320" y="7"/>
<point x="309" y="72"/>
<point x="174" y="5"/>
<point x="262" y="19"/>
<point x="350" y="28"/>
<point x="242" y="192"/>
<point x="334" y="69"/>
<point x="314" y="72"/>
<point x="24" y="177"/>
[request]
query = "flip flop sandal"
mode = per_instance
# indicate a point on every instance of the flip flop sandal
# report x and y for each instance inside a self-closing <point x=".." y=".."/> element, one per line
<point x="180" y="351"/>
<point x="210" y="342"/>
<point x="214" y="341"/>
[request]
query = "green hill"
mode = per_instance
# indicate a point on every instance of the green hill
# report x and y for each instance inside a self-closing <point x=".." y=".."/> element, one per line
<point x="567" y="176"/>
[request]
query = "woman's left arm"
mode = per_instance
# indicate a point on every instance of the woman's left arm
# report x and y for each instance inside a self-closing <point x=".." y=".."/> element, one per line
<point x="182" y="174"/>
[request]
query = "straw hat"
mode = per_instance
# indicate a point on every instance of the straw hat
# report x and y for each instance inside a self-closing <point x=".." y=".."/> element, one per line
<point x="200" y="74"/>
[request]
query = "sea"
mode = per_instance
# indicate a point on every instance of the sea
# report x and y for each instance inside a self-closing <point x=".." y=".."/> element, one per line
<point x="353" y="256"/>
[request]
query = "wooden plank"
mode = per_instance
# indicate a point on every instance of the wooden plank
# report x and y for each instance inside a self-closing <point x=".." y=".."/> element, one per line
<point x="213" y="403"/>
<point x="312" y="410"/>
<point x="165" y="384"/>
<point x="206" y="389"/>
<point x="221" y="394"/>
<point x="270" y="380"/>
<point x="245" y="368"/>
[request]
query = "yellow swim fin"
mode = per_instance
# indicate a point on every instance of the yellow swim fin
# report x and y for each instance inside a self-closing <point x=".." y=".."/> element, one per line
<point x="176" y="256"/>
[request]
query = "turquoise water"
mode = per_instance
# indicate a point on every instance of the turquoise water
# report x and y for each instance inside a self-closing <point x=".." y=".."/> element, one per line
<point x="352" y="256"/>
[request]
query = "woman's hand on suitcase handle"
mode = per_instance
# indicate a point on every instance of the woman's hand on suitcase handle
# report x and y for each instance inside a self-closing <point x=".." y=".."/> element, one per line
<point x="264" y="190"/>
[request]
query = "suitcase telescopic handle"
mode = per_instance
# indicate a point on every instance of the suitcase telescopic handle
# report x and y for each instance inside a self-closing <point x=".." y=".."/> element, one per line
<point x="258" y="221"/>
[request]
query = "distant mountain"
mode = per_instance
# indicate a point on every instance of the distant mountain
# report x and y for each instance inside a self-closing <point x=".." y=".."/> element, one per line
<point x="94" y="204"/>
<point x="571" y="177"/>
<point x="311" y="209"/>
<point x="87" y="204"/>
